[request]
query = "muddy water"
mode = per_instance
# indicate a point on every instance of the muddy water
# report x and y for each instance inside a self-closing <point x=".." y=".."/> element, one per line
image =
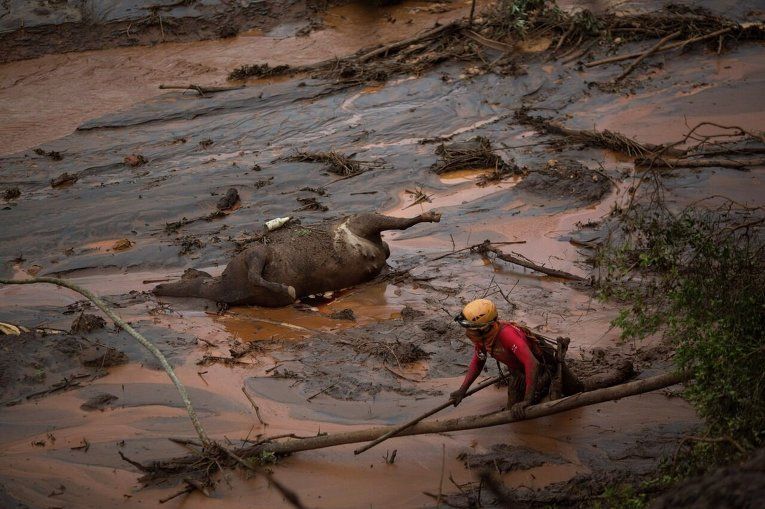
<point x="72" y="232"/>
<point x="45" y="98"/>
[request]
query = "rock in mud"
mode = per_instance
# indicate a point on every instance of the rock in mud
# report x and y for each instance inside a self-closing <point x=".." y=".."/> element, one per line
<point x="102" y="357"/>
<point x="409" y="313"/>
<point x="100" y="401"/>
<point x="345" y="314"/>
<point x="135" y="160"/>
<point x="122" y="245"/>
<point x="230" y="200"/>
<point x="53" y="155"/>
<point x="64" y="179"/>
<point x="508" y="458"/>
<point x="11" y="193"/>
<point x="85" y="323"/>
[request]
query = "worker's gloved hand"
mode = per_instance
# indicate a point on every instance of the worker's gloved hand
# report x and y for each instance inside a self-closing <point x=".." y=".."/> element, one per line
<point x="457" y="396"/>
<point x="518" y="411"/>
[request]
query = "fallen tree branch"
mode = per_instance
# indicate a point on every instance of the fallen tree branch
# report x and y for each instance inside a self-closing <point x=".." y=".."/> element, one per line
<point x="130" y="330"/>
<point x="450" y="253"/>
<point x="659" y="50"/>
<point x="202" y="91"/>
<point x="605" y="138"/>
<point x="487" y="247"/>
<point x="476" y="421"/>
<point x="671" y="162"/>
<point x="653" y="49"/>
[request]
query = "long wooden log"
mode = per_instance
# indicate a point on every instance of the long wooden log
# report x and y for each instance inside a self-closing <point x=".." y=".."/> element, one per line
<point x="671" y="162"/>
<point x="533" y="266"/>
<point x="476" y="421"/>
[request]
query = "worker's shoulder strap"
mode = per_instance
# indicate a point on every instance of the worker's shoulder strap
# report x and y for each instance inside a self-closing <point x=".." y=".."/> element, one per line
<point x="532" y="339"/>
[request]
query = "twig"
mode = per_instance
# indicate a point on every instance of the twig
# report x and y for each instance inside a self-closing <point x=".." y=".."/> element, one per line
<point x="690" y="438"/>
<point x="127" y="328"/>
<point x="290" y="495"/>
<point x="255" y="406"/>
<point x="645" y="55"/>
<point x="188" y="489"/>
<point x="321" y="391"/>
<point x="475" y="246"/>
<point x="477" y="421"/>
<point x="665" y="48"/>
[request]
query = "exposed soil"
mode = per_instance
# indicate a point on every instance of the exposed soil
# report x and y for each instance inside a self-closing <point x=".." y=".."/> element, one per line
<point x="380" y="353"/>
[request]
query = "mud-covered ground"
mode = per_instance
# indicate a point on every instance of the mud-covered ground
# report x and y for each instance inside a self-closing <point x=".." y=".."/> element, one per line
<point x="29" y="29"/>
<point x="141" y="208"/>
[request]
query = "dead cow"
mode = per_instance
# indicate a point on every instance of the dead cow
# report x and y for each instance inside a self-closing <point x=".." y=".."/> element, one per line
<point x="298" y="262"/>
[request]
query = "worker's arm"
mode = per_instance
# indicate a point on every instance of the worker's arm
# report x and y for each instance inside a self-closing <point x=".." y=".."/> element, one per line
<point x="475" y="368"/>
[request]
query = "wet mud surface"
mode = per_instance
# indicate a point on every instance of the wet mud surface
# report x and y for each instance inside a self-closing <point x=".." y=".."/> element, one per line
<point x="32" y="29"/>
<point x="315" y="367"/>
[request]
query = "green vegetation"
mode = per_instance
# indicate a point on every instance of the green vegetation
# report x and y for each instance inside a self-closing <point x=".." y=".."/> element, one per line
<point x="696" y="277"/>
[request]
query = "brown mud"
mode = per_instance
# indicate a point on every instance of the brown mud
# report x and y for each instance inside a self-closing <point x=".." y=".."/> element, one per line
<point x="309" y="369"/>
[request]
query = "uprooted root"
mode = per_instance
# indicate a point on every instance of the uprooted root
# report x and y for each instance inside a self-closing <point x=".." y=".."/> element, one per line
<point x="698" y="152"/>
<point x="475" y="153"/>
<point x="333" y="162"/>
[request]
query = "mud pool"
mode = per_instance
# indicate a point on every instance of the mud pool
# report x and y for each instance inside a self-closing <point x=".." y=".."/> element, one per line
<point x="308" y="371"/>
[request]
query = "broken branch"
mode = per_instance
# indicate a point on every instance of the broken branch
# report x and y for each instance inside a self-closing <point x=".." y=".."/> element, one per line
<point x="647" y="54"/>
<point x="487" y="247"/>
<point x="199" y="89"/>
<point x="130" y="330"/>
<point x="671" y="162"/>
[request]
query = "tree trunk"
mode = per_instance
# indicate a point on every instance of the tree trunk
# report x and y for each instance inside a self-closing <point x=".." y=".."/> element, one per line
<point x="472" y="422"/>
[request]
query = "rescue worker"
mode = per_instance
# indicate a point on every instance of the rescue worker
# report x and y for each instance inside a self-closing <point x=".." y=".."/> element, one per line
<point x="532" y="365"/>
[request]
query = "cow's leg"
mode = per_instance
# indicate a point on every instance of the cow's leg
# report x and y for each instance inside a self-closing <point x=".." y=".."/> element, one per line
<point x="264" y="292"/>
<point x="369" y="225"/>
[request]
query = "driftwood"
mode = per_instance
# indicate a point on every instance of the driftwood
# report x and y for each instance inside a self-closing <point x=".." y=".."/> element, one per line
<point x="671" y="162"/>
<point x="398" y="429"/>
<point x="474" y="421"/>
<point x="647" y="54"/>
<point x="668" y="47"/>
<point x="524" y="262"/>
<point x="202" y="91"/>
<point x="605" y="138"/>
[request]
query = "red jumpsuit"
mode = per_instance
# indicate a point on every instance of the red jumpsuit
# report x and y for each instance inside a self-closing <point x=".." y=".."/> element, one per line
<point x="509" y="346"/>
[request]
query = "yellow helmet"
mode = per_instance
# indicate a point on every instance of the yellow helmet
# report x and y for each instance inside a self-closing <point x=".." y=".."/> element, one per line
<point x="477" y="314"/>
